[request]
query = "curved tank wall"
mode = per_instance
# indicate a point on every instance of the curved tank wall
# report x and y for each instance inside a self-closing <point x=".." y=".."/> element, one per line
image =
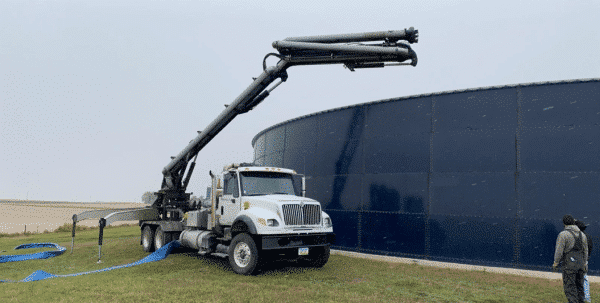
<point x="478" y="176"/>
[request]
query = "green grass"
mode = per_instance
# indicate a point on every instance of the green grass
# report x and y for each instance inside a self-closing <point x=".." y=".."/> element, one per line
<point x="186" y="277"/>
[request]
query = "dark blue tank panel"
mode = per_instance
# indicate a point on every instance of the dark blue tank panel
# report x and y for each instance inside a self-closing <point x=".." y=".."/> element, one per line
<point x="479" y="176"/>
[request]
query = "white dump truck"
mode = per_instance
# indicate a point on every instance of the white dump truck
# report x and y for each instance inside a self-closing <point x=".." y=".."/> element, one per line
<point x="255" y="213"/>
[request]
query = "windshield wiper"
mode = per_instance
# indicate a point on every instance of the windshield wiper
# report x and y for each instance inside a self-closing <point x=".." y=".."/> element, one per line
<point x="281" y="193"/>
<point x="256" y="194"/>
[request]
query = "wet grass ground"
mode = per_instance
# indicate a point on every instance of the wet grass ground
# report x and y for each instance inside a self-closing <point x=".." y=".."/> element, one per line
<point x="186" y="277"/>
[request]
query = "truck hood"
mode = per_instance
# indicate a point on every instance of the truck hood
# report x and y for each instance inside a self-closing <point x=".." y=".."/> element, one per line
<point x="280" y="199"/>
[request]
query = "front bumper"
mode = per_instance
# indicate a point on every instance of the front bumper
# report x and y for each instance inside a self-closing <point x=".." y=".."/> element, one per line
<point x="298" y="240"/>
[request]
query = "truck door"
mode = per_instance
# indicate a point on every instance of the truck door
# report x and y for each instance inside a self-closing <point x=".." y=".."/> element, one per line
<point x="230" y="201"/>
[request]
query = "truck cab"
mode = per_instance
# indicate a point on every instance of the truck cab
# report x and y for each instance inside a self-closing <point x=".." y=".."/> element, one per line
<point x="272" y="197"/>
<point x="253" y="214"/>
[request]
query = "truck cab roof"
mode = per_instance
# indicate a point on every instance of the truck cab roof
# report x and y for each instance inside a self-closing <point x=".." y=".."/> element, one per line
<point x="245" y="167"/>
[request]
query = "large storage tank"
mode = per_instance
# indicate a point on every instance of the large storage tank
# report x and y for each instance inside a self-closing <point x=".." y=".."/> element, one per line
<point x="478" y="176"/>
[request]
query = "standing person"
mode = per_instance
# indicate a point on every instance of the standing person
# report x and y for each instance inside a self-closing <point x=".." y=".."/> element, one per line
<point x="572" y="250"/>
<point x="586" y="283"/>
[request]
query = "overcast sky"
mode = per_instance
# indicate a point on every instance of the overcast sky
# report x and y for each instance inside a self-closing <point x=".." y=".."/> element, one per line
<point x="95" y="96"/>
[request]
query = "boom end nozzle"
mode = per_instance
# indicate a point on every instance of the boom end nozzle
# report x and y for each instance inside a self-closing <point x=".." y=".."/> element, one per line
<point x="413" y="35"/>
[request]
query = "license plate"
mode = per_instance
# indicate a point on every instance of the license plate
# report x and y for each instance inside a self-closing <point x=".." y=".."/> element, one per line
<point x="303" y="251"/>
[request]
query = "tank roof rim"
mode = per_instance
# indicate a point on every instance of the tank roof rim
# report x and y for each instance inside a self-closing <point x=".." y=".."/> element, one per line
<point x="448" y="92"/>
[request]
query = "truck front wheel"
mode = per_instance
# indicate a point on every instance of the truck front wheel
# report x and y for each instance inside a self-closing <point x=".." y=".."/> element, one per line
<point x="148" y="238"/>
<point x="243" y="254"/>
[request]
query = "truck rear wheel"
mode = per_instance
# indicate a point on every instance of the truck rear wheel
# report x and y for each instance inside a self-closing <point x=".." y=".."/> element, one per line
<point x="161" y="238"/>
<point x="243" y="254"/>
<point x="317" y="256"/>
<point x="148" y="238"/>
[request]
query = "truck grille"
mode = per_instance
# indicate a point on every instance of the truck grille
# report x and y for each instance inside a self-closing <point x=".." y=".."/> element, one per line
<point x="309" y="214"/>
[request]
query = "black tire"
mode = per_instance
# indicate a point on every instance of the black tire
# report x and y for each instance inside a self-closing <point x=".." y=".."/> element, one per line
<point x="161" y="238"/>
<point x="317" y="256"/>
<point x="243" y="254"/>
<point x="148" y="238"/>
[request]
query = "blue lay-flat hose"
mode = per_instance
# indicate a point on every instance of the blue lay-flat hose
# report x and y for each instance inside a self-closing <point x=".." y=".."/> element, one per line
<point x="158" y="255"/>
<point x="41" y="255"/>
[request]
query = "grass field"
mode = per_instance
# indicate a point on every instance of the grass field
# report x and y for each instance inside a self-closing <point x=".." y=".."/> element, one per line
<point x="186" y="277"/>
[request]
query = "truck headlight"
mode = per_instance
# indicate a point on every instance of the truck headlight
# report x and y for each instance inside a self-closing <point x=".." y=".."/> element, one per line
<point x="272" y="222"/>
<point x="327" y="222"/>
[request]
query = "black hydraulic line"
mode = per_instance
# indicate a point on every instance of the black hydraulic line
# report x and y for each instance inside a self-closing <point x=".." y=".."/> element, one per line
<point x="348" y="48"/>
<point x="267" y="56"/>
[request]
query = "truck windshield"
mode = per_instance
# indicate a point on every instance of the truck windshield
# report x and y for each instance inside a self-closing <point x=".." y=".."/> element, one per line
<point x="266" y="183"/>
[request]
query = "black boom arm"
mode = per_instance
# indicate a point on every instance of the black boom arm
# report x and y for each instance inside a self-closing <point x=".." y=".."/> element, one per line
<point x="328" y="49"/>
